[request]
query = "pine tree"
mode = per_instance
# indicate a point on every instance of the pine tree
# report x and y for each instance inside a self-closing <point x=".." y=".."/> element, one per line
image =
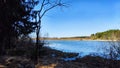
<point x="16" y="19"/>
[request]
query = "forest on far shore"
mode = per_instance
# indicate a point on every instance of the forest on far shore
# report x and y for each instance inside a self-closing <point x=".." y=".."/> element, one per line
<point x="107" y="35"/>
<point x="112" y="34"/>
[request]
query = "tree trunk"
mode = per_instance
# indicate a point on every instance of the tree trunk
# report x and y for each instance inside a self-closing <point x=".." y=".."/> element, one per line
<point x="38" y="47"/>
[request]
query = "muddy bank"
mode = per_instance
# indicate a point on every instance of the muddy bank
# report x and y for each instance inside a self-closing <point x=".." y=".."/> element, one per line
<point x="51" y="58"/>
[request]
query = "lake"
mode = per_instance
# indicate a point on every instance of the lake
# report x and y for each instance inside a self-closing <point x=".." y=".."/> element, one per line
<point x="81" y="47"/>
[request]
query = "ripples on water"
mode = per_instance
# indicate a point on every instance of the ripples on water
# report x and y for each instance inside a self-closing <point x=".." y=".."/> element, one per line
<point x="81" y="47"/>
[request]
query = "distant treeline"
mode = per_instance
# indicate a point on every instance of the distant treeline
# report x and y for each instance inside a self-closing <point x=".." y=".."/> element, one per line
<point x="113" y="34"/>
<point x="106" y="35"/>
<point x="67" y="38"/>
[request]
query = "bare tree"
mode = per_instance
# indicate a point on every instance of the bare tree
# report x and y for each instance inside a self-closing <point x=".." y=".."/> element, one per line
<point x="113" y="48"/>
<point x="44" y="7"/>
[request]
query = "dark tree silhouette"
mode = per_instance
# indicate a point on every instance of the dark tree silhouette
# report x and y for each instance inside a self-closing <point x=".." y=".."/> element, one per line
<point x="15" y="20"/>
<point x="45" y="6"/>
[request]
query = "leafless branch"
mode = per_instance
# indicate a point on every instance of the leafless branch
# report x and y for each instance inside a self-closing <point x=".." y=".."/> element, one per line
<point x="41" y="8"/>
<point x="44" y="12"/>
<point x="50" y="6"/>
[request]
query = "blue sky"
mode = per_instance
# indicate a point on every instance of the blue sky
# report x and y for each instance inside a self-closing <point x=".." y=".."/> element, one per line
<point x="82" y="18"/>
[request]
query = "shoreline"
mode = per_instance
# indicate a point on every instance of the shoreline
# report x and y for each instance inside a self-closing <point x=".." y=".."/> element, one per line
<point x="74" y="39"/>
<point x="52" y="58"/>
<point x="78" y="40"/>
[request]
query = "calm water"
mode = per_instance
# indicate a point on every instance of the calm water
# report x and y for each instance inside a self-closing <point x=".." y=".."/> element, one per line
<point x="81" y="47"/>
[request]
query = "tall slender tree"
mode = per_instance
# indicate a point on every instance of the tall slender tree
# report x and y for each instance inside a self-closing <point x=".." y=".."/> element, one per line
<point x="44" y="7"/>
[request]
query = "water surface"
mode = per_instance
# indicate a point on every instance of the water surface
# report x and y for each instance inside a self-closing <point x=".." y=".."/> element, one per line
<point x="81" y="47"/>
